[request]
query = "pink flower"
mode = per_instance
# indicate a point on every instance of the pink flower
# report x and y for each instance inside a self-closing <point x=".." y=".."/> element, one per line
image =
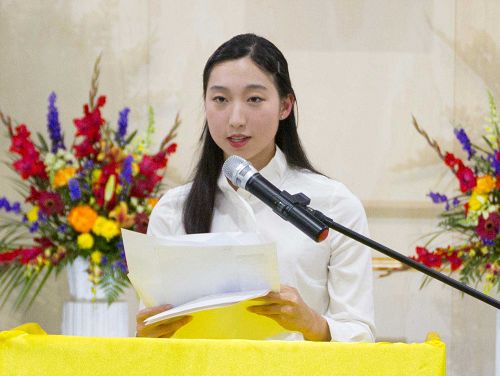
<point x="488" y="228"/>
<point x="50" y="203"/>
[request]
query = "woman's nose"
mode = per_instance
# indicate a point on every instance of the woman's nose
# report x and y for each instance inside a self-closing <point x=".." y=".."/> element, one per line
<point x="237" y="118"/>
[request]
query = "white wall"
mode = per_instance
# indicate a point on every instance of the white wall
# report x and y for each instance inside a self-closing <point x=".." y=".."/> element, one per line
<point x="360" y="69"/>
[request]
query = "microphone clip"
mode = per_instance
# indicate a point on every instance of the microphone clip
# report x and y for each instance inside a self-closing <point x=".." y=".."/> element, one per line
<point x="297" y="199"/>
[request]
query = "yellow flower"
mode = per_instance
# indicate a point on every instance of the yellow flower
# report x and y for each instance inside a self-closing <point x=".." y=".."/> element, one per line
<point x="63" y="176"/>
<point x="135" y="169"/>
<point x="85" y="241"/>
<point x="485" y="184"/>
<point x="106" y="228"/>
<point x="120" y="215"/>
<point x="96" y="174"/>
<point x="82" y="218"/>
<point x="96" y="257"/>
<point x="32" y="215"/>
<point x="476" y="201"/>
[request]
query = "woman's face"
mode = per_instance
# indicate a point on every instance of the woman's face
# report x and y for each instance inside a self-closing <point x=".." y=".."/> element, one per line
<point x="243" y="110"/>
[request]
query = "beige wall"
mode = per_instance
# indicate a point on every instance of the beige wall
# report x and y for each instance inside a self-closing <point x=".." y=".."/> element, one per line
<point x="360" y="69"/>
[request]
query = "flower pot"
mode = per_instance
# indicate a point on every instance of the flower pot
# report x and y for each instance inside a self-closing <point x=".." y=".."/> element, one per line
<point x="80" y="287"/>
<point x="87" y="314"/>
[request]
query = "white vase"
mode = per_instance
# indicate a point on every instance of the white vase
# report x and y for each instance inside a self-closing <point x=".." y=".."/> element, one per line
<point x="80" y="287"/>
<point x="83" y="316"/>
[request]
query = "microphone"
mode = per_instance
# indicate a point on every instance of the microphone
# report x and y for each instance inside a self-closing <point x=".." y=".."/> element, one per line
<point x="292" y="208"/>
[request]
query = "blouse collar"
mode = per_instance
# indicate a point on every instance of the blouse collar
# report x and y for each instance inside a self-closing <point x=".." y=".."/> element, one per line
<point x="274" y="171"/>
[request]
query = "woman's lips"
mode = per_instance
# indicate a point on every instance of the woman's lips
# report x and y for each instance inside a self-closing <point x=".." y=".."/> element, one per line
<point x="238" y="141"/>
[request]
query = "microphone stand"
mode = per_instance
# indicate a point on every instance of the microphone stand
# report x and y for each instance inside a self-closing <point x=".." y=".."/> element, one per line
<point x="405" y="260"/>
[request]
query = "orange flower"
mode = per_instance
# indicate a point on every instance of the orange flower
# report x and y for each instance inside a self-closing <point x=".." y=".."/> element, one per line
<point x="82" y="218"/>
<point x="485" y="184"/>
<point x="63" y="176"/>
<point x="152" y="201"/>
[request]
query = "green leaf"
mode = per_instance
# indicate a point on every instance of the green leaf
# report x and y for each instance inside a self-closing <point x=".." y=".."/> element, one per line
<point x="43" y="144"/>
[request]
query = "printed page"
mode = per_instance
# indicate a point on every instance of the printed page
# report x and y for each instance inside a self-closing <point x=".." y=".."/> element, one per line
<point x="178" y="270"/>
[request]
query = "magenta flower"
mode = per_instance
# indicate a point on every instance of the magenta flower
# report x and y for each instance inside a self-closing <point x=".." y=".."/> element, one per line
<point x="488" y="228"/>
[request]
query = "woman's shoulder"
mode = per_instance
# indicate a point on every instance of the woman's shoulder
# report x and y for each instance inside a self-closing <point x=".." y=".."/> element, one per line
<point x="174" y="197"/>
<point x="331" y="194"/>
<point x="166" y="217"/>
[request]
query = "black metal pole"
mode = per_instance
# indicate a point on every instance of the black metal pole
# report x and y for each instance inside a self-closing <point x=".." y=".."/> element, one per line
<point x="406" y="260"/>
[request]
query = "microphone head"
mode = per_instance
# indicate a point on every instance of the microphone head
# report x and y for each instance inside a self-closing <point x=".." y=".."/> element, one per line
<point x="238" y="170"/>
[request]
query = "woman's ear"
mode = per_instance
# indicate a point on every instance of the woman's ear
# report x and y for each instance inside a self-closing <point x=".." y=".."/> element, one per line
<point x="286" y="106"/>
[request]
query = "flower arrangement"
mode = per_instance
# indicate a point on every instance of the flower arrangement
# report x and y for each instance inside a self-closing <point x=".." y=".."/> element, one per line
<point x="472" y="215"/>
<point x="77" y="197"/>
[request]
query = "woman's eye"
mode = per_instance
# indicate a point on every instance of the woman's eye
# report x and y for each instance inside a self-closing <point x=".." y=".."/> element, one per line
<point x="255" y="99"/>
<point x="219" y="99"/>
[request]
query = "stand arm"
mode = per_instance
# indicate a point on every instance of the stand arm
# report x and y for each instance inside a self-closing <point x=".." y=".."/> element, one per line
<point x="406" y="260"/>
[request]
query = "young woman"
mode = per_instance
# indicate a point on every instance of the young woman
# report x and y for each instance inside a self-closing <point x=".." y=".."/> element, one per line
<point x="326" y="291"/>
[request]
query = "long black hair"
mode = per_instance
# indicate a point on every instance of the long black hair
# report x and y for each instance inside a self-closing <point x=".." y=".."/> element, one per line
<point x="199" y="205"/>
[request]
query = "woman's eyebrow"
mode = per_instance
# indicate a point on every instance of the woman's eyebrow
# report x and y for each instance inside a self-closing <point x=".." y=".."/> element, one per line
<point x="217" y="88"/>
<point x="248" y="87"/>
<point x="255" y="87"/>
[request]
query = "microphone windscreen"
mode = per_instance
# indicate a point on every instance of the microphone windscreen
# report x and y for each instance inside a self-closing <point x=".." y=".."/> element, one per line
<point x="238" y="170"/>
<point x="231" y="167"/>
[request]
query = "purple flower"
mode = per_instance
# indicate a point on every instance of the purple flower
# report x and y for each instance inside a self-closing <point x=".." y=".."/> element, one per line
<point x="122" y="126"/>
<point x="437" y="198"/>
<point x="488" y="242"/>
<point x="122" y="266"/>
<point x="34" y="227"/>
<point x="53" y="125"/>
<point x="495" y="162"/>
<point x="464" y="140"/>
<point x="62" y="228"/>
<point x="456" y="202"/>
<point x="74" y="190"/>
<point x="126" y="174"/>
<point x="88" y="165"/>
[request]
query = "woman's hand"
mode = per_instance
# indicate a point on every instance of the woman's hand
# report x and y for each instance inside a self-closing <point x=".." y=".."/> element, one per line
<point x="289" y="310"/>
<point x="164" y="329"/>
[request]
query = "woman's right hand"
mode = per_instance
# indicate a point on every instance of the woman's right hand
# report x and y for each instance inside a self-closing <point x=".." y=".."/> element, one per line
<point x="163" y="329"/>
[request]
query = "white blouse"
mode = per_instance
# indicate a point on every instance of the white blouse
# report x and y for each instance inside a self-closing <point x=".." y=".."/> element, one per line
<point x="333" y="277"/>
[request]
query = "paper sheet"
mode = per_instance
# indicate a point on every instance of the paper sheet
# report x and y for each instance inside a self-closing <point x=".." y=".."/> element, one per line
<point x="181" y="270"/>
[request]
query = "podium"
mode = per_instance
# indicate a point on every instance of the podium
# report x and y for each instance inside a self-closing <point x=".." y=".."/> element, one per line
<point x="28" y="350"/>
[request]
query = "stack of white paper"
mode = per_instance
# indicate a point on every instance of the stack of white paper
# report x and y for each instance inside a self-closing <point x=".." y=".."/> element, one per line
<point x="199" y="271"/>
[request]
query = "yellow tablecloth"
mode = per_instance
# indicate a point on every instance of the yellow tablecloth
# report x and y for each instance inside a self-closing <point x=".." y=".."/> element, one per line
<point x="28" y="350"/>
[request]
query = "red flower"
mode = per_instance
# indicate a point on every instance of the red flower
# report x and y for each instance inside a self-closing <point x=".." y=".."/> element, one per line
<point x="10" y="256"/>
<point x="466" y="207"/>
<point x="89" y="126"/>
<point x="99" y="188"/>
<point x="171" y="148"/>
<point x="141" y="221"/>
<point x="143" y="187"/>
<point x="450" y="160"/>
<point x="488" y="228"/>
<point x="150" y="164"/>
<point x="30" y="164"/>
<point x="50" y="203"/>
<point x="454" y="260"/>
<point x="432" y="260"/>
<point x="24" y="255"/>
<point x="29" y="254"/>
<point x="44" y="242"/>
<point x="84" y="149"/>
<point x="467" y="178"/>
<point x="27" y="168"/>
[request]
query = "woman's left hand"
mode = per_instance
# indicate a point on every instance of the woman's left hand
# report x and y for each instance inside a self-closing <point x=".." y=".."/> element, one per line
<point x="289" y="310"/>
